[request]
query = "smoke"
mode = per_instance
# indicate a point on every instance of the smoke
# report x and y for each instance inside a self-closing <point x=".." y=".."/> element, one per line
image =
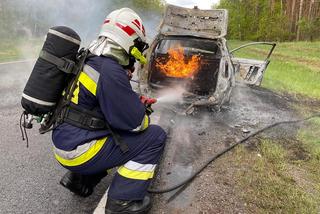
<point x="171" y="95"/>
<point x="32" y="18"/>
<point x="203" y="4"/>
<point x="25" y="23"/>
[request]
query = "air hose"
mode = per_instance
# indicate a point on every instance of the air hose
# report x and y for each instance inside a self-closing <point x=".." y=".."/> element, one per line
<point x="216" y="156"/>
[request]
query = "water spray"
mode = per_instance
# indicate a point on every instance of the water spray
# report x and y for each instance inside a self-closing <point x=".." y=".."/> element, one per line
<point x="167" y="98"/>
<point x="171" y="95"/>
<point x="168" y="95"/>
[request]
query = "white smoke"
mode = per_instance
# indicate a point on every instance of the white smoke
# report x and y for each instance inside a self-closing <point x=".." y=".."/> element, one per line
<point x="171" y="95"/>
<point x="34" y="17"/>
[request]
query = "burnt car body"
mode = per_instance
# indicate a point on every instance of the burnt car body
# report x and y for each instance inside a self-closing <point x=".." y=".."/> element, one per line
<point x="191" y="50"/>
<point x="251" y="71"/>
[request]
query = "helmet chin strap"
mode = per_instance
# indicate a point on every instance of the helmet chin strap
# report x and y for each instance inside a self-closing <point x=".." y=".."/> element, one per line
<point x="138" y="55"/>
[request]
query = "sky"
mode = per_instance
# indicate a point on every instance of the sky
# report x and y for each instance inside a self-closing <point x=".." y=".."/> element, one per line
<point x="202" y="4"/>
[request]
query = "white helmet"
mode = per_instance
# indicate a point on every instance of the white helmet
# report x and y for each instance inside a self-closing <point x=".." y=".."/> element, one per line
<point x="124" y="26"/>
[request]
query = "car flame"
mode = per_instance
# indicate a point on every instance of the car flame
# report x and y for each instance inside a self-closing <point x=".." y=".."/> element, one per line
<point x="176" y="64"/>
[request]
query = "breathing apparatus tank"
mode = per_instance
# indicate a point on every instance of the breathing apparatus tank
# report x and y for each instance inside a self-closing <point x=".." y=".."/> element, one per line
<point x="51" y="78"/>
<point x="52" y="71"/>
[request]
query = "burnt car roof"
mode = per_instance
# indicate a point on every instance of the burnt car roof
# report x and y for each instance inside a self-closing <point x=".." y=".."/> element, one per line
<point x="210" y="24"/>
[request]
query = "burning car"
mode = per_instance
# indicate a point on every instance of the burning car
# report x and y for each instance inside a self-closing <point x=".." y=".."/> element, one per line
<point x="190" y="50"/>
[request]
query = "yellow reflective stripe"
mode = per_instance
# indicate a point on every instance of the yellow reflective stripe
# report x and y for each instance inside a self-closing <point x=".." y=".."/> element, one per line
<point x="88" y="83"/>
<point x="145" y="123"/>
<point x="85" y="156"/>
<point x="75" y="96"/>
<point x="133" y="174"/>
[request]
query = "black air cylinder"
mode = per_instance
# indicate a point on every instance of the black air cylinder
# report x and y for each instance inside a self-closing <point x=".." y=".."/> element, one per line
<point x="46" y="82"/>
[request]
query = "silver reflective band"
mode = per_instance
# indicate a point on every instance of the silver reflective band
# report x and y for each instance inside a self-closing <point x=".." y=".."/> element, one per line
<point x="69" y="155"/>
<point x="35" y="100"/>
<point x="66" y="37"/>
<point x="92" y="73"/>
<point x="132" y="165"/>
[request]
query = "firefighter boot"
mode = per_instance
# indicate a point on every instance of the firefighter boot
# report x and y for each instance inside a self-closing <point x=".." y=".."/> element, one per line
<point x="128" y="207"/>
<point x="81" y="185"/>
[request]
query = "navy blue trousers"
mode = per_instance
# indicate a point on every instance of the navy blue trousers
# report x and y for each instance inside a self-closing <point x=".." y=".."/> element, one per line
<point x="136" y="167"/>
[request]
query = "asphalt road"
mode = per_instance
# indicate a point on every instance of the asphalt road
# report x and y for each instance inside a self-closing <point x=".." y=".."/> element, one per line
<point x="29" y="177"/>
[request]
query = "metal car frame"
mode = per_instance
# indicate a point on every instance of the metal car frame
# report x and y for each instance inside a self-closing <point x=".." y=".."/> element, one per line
<point x="251" y="71"/>
<point x="209" y="24"/>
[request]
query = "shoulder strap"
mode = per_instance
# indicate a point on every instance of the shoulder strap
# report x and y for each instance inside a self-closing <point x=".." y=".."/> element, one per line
<point x="63" y="64"/>
<point x="57" y="116"/>
<point x="84" y="118"/>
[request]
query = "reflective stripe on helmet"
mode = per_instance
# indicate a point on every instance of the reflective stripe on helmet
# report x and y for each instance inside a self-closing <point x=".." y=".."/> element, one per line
<point x="123" y="26"/>
<point x="126" y="29"/>
<point x="137" y="24"/>
<point x="143" y="31"/>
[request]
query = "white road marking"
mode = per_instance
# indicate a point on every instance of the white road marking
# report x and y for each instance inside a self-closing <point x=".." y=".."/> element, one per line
<point x="102" y="204"/>
<point x="16" y="62"/>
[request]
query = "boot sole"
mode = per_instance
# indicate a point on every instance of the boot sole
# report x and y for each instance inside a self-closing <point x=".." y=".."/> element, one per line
<point x="144" y="211"/>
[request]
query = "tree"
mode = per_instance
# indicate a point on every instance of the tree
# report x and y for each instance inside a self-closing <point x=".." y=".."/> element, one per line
<point x="278" y="20"/>
<point x="299" y="19"/>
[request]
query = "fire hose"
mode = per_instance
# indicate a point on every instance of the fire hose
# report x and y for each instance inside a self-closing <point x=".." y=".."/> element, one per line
<point x="216" y="156"/>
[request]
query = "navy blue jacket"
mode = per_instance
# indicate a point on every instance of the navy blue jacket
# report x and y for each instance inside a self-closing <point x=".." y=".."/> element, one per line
<point x="114" y="99"/>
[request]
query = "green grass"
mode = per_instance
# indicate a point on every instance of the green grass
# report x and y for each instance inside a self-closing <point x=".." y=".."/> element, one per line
<point x="283" y="176"/>
<point x="311" y="140"/>
<point x="270" y="183"/>
<point x="308" y="50"/>
<point x="294" y="67"/>
<point x="19" y="49"/>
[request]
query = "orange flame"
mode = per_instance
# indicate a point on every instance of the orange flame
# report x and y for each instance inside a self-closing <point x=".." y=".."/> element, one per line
<point x="177" y="65"/>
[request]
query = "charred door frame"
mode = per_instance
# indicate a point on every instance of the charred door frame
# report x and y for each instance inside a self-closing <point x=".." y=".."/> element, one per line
<point x="256" y="68"/>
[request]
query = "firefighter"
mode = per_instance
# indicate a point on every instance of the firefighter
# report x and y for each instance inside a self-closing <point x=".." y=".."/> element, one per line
<point x="129" y="143"/>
